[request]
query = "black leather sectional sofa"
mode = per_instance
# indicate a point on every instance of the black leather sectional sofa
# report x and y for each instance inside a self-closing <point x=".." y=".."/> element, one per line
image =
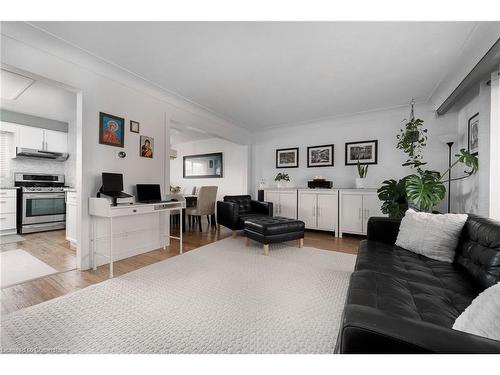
<point x="402" y="302"/>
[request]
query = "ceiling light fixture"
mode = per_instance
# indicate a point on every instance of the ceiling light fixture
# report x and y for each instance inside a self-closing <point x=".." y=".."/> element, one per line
<point x="12" y="85"/>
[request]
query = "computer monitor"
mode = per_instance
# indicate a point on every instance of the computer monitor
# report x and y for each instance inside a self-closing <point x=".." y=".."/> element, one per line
<point x="112" y="182"/>
<point x="148" y="192"/>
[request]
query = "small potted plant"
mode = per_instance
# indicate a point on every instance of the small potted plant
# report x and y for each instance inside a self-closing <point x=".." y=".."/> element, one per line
<point x="361" y="180"/>
<point x="280" y="177"/>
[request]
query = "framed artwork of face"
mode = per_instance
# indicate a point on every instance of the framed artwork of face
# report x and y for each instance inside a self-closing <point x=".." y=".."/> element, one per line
<point x="146" y="147"/>
<point x="111" y="130"/>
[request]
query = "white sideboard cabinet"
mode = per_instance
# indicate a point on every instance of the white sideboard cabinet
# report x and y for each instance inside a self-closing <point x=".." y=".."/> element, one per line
<point x="356" y="206"/>
<point x="318" y="209"/>
<point x="284" y="202"/>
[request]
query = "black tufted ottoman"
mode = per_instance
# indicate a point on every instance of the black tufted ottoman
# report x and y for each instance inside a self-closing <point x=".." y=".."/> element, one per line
<point x="273" y="229"/>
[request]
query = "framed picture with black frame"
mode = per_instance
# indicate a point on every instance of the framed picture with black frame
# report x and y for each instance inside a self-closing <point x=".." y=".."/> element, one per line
<point x="320" y="156"/>
<point x="364" y="151"/>
<point x="473" y="134"/>
<point x="111" y="130"/>
<point x="203" y="166"/>
<point x="287" y="158"/>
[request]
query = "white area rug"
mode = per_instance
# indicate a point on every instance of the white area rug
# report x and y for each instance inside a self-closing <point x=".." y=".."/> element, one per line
<point x="220" y="298"/>
<point x="18" y="266"/>
<point x="11" y="238"/>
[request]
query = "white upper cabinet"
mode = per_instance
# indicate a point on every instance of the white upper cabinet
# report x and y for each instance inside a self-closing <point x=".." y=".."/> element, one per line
<point x="56" y="141"/>
<point x="41" y="139"/>
<point x="30" y="137"/>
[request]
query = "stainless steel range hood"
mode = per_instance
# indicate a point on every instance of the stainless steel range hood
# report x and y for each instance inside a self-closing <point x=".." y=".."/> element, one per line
<point x="40" y="154"/>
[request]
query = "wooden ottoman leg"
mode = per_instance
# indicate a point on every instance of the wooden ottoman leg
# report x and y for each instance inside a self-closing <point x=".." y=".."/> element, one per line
<point x="266" y="249"/>
<point x="247" y="242"/>
<point x="301" y="242"/>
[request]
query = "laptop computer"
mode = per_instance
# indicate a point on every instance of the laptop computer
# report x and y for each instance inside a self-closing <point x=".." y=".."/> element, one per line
<point x="149" y="193"/>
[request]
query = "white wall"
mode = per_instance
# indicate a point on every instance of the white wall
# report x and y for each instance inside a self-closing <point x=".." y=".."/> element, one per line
<point x="102" y="87"/>
<point x="382" y="126"/>
<point x="473" y="192"/>
<point x="234" y="180"/>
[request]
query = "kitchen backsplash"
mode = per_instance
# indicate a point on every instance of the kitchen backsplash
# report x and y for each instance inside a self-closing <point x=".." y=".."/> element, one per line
<point x="66" y="168"/>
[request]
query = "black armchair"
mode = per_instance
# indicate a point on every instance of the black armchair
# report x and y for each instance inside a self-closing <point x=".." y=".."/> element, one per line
<point x="235" y="209"/>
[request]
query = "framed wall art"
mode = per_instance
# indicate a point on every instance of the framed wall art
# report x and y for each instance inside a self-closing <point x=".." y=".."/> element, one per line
<point x="364" y="151"/>
<point x="320" y="156"/>
<point x="111" y="130"/>
<point x="287" y="158"/>
<point x="473" y="134"/>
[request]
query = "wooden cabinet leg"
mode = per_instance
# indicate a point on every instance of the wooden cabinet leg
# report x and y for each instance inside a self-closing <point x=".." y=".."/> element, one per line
<point x="266" y="249"/>
<point x="301" y="242"/>
<point x="234" y="234"/>
<point x="247" y="241"/>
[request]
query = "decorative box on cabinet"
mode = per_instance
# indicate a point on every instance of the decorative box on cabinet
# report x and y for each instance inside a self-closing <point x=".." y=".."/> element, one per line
<point x="356" y="206"/>
<point x="8" y="210"/>
<point x="284" y="202"/>
<point x="318" y="209"/>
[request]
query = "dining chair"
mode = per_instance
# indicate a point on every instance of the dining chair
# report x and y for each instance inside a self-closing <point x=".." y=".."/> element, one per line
<point x="205" y="204"/>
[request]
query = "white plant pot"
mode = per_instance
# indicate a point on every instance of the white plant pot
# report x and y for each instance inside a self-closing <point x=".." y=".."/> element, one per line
<point x="360" y="183"/>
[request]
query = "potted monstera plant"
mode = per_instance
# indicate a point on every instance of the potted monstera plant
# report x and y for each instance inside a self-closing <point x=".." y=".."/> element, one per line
<point x="424" y="189"/>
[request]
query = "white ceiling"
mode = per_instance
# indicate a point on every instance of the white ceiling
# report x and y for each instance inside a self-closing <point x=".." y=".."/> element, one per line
<point x="261" y="75"/>
<point x="43" y="100"/>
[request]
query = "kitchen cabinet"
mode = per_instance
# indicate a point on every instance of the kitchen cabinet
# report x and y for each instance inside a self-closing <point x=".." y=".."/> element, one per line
<point x="284" y="202"/>
<point x="56" y="141"/>
<point x="41" y="139"/>
<point x="8" y="210"/>
<point x="356" y="206"/>
<point x="30" y="137"/>
<point x="71" y="217"/>
<point x="318" y="209"/>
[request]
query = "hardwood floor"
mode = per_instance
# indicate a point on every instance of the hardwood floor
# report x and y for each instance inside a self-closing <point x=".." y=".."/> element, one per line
<point x="50" y="247"/>
<point x="46" y="288"/>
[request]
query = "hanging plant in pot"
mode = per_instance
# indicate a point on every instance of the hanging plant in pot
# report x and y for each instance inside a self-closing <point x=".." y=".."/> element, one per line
<point x="361" y="180"/>
<point x="424" y="189"/>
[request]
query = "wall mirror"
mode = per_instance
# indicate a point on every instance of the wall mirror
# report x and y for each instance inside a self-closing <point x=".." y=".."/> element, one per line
<point x="202" y="166"/>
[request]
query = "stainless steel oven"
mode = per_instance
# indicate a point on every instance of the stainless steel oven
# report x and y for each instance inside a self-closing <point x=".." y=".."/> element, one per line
<point x="42" y="204"/>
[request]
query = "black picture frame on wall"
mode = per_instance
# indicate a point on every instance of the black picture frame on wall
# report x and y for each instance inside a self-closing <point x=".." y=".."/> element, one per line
<point x="473" y="134"/>
<point x="320" y="156"/>
<point x="287" y="157"/>
<point x="366" y="151"/>
<point x="214" y="166"/>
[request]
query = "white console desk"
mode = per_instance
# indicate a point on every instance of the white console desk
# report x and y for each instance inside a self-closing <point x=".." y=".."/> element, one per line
<point x="135" y="215"/>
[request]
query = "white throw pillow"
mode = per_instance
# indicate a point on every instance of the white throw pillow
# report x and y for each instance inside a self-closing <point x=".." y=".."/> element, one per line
<point x="432" y="235"/>
<point x="482" y="317"/>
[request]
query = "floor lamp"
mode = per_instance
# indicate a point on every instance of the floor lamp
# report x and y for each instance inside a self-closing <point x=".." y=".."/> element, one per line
<point x="449" y="139"/>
